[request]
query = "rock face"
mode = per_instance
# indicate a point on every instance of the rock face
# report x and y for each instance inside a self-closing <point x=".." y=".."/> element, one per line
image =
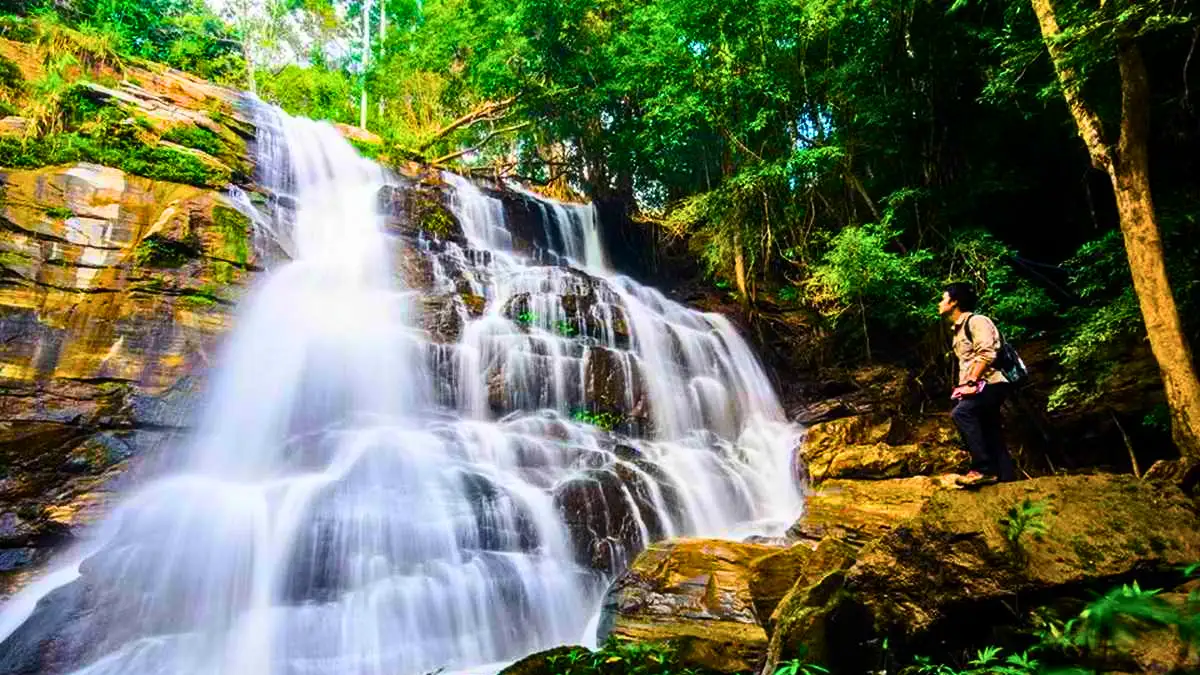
<point x="863" y="446"/>
<point x="696" y="594"/>
<point x="913" y="560"/>
<point x="955" y="551"/>
<point x="115" y="290"/>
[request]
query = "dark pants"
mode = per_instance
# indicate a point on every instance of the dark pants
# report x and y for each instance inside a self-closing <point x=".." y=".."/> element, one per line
<point x="978" y="419"/>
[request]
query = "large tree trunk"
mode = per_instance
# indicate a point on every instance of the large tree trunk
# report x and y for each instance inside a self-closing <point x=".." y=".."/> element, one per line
<point x="1143" y="246"/>
<point x="1129" y="169"/>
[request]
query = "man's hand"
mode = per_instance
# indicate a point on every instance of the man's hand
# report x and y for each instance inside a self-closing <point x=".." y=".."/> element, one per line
<point x="963" y="391"/>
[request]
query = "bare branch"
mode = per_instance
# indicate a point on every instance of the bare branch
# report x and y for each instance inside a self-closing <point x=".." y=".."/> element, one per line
<point x="486" y="112"/>
<point x="480" y="144"/>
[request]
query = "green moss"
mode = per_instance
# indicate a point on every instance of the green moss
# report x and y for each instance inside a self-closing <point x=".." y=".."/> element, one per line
<point x="433" y="219"/>
<point x="197" y="298"/>
<point x="7" y="109"/>
<point x="1089" y="554"/>
<point x="234" y="227"/>
<point x="10" y="75"/>
<point x="603" y="420"/>
<point x="17" y="29"/>
<point x="155" y="251"/>
<point x="9" y="259"/>
<point x="368" y="150"/>
<point x="195" y="138"/>
<point x="59" y="212"/>
<point x="103" y="135"/>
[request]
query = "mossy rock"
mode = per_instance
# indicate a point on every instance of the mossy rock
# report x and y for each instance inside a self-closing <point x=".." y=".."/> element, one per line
<point x="955" y="552"/>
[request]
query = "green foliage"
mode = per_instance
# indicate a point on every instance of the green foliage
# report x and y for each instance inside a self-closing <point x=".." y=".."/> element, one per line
<point x="565" y="328"/>
<point x="987" y="661"/>
<point x="607" y="421"/>
<point x="195" y="138"/>
<point x="1026" y="517"/>
<point x="861" y="273"/>
<point x="526" y="318"/>
<point x="111" y="139"/>
<point x="1102" y="329"/>
<point x="315" y="92"/>
<point x="620" y="657"/>
<point x="183" y="34"/>
<point x="799" y="666"/>
<point x="154" y="251"/>
<point x="1010" y="299"/>
<point x="59" y="212"/>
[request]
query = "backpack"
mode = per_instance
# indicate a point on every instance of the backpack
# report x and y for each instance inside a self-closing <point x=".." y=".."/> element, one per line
<point x="1008" y="361"/>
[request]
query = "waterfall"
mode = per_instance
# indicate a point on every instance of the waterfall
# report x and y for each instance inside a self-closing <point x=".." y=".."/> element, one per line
<point x="361" y="496"/>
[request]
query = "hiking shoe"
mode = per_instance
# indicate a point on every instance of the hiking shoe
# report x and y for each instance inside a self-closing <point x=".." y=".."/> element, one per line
<point x="974" y="478"/>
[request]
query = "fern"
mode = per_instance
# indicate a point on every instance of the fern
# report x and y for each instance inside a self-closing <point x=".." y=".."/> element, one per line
<point x="1028" y="517"/>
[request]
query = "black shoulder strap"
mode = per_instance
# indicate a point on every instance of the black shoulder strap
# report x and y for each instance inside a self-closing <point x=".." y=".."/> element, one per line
<point x="967" y="327"/>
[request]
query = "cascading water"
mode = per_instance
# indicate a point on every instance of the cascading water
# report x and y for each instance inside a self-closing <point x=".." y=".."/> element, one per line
<point x="362" y="497"/>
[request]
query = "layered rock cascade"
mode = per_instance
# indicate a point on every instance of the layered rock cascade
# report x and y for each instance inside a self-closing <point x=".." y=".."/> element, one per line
<point x="447" y="401"/>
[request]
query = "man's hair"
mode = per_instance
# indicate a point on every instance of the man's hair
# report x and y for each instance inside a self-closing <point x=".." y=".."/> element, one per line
<point x="963" y="295"/>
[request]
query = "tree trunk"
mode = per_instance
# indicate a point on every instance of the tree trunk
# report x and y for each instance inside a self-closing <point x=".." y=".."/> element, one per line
<point x="739" y="268"/>
<point x="1129" y="169"/>
<point x="249" y="59"/>
<point x="382" y="39"/>
<point x="1143" y="246"/>
<point x="366" y="60"/>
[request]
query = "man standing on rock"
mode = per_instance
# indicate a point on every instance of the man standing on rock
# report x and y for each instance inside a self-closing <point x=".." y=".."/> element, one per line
<point x="981" y="387"/>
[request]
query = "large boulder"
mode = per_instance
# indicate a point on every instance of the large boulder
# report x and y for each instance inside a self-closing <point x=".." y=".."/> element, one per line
<point x="875" y="447"/>
<point x="860" y="511"/>
<point x="694" y="594"/>
<point x="954" y="567"/>
<point x="956" y="552"/>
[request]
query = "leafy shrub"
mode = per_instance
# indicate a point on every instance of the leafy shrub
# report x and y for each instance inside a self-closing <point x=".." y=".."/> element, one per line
<point x="11" y="78"/>
<point x="1012" y="300"/>
<point x="112" y="141"/>
<point x="313" y="92"/>
<point x="860" y="275"/>
<point x="619" y="657"/>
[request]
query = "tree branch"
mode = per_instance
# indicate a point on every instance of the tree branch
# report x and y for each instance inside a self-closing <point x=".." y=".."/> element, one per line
<point x="486" y="112"/>
<point x="480" y="144"/>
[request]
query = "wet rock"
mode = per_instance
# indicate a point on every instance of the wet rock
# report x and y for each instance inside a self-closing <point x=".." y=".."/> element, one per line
<point x="442" y="317"/>
<point x="418" y="209"/>
<point x="861" y="447"/>
<point x="42" y="644"/>
<point x="694" y="594"/>
<point x="613" y="383"/>
<point x="542" y="663"/>
<point x="609" y="515"/>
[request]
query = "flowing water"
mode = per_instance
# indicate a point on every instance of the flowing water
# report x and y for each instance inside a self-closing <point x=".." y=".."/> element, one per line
<point x="365" y="494"/>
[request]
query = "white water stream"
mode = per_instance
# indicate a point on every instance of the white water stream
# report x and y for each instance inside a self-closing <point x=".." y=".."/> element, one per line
<point x="361" y="497"/>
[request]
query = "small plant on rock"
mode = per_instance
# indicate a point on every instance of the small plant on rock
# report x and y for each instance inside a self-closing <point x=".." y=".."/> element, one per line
<point x="799" y="666"/>
<point x="1027" y="517"/>
<point x="604" y="420"/>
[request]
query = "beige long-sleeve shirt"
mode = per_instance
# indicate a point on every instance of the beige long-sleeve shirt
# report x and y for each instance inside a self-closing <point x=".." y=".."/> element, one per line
<point x="983" y="346"/>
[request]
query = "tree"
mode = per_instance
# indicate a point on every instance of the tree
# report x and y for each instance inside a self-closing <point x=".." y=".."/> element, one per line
<point x="1117" y="25"/>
